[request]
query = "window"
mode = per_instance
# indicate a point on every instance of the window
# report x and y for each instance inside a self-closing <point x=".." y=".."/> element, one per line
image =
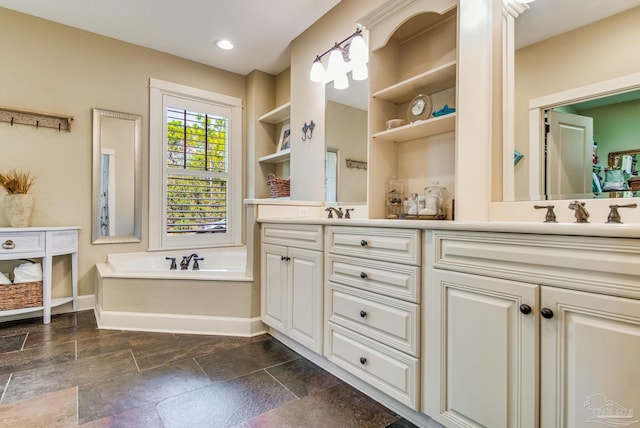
<point x="195" y="167"/>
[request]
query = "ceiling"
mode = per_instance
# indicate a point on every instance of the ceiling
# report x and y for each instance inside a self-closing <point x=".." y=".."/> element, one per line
<point x="260" y="29"/>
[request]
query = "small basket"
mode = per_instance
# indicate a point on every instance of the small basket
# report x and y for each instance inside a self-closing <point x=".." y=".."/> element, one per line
<point x="20" y="295"/>
<point x="278" y="187"/>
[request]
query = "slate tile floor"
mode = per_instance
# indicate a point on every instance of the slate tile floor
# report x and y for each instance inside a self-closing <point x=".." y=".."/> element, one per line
<point x="70" y="374"/>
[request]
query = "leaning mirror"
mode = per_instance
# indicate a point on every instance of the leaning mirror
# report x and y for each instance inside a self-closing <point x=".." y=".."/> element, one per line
<point x="117" y="205"/>
<point x="346" y="143"/>
<point x="552" y="58"/>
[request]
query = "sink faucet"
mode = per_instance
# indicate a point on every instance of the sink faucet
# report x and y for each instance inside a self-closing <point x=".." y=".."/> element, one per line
<point x="332" y="210"/>
<point x="582" y="215"/>
<point x="184" y="264"/>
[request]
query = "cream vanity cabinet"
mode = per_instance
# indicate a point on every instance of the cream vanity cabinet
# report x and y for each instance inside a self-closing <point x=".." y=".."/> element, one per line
<point x="291" y="281"/>
<point x="372" y="307"/>
<point x="531" y="330"/>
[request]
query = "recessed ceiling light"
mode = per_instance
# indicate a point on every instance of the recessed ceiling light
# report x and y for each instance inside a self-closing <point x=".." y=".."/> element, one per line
<point x="224" y="44"/>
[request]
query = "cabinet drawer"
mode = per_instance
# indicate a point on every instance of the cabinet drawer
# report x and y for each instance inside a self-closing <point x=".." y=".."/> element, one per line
<point x="389" y="321"/>
<point x="64" y="242"/>
<point x="387" y="244"/>
<point x="390" y="279"/>
<point x="392" y="372"/>
<point x="21" y="242"/>
<point x="308" y="236"/>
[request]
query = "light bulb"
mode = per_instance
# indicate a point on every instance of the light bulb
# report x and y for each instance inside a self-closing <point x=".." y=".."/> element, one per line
<point x="336" y="65"/>
<point x="360" y="72"/>
<point x="341" y="81"/>
<point x="317" y="73"/>
<point x="358" y="51"/>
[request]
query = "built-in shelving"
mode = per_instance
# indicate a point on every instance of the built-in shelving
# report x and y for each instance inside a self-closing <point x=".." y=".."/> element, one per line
<point x="420" y="129"/>
<point x="429" y="82"/>
<point x="277" y="115"/>
<point x="277" y="157"/>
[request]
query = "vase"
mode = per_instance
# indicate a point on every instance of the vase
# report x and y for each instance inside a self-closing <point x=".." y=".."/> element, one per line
<point x="19" y="209"/>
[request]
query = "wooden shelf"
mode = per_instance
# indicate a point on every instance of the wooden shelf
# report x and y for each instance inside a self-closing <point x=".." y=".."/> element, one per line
<point x="421" y="129"/>
<point x="429" y="82"/>
<point x="277" y="115"/>
<point x="34" y="118"/>
<point x="277" y="157"/>
<point x="21" y="311"/>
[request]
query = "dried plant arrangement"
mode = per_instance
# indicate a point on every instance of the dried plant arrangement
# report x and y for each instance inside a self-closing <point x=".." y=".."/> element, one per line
<point x="17" y="182"/>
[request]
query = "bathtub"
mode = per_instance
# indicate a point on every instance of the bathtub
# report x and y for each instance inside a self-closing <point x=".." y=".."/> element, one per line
<point x="219" y="264"/>
<point x="138" y="291"/>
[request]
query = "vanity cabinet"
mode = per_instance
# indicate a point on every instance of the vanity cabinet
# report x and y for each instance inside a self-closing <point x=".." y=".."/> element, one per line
<point x="413" y="52"/>
<point x="291" y="282"/>
<point x="530" y="330"/>
<point x="372" y="307"/>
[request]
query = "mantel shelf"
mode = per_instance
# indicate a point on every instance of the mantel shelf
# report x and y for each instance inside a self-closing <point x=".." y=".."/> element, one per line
<point x="421" y="129"/>
<point x="429" y="82"/>
<point x="277" y="115"/>
<point x="277" y="157"/>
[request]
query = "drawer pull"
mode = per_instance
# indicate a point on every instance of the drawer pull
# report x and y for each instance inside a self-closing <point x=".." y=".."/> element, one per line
<point x="363" y="243"/>
<point x="8" y="244"/>
<point x="363" y="275"/>
<point x="525" y="309"/>
<point x="363" y="360"/>
<point x="546" y="313"/>
<point x="363" y="314"/>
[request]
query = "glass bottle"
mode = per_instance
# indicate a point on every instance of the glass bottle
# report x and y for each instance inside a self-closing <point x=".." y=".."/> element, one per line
<point x="434" y="201"/>
<point x="395" y="196"/>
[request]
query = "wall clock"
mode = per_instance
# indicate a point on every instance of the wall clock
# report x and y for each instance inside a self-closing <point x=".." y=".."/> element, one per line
<point x="419" y="108"/>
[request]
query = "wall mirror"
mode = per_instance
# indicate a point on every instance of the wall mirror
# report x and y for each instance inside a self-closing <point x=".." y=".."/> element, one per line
<point x="552" y="57"/>
<point x="117" y="205"/>
<point x="346" y="127"/>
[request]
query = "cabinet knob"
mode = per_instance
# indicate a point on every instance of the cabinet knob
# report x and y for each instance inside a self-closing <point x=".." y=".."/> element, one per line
<point x="363" y="275"/>
<point x="546" y="313"/>
<point x="8" y="244"/>
<point x="285" y="258"/>
<point x="363" y="243"/>
<point x="525" y="309"/>
<point x="363" y="314"/>
<point x="363" y="360"/>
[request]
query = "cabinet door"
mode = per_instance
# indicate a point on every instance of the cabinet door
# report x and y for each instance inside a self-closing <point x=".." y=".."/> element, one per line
<point x="305" y="298"/>
<point x="481" y="351"/>
<point x="273" y="288"/>
<point x="590" y="352"/>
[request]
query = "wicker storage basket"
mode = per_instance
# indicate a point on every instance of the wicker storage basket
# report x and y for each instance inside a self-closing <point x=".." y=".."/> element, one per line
<point x="278" y="187"/>
<point x="20" y="295"/>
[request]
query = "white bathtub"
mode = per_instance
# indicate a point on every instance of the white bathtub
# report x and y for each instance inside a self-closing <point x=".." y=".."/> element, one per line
<point x="222" y="264"/>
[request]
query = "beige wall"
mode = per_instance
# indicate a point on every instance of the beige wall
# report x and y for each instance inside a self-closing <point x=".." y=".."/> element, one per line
<point x="53" y="68"/>
<point x="597" y="52"/>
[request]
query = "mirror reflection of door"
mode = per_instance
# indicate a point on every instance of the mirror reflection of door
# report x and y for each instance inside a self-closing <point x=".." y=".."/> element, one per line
<point x="107" y="193"/>
<point x="331" y="174"/>
<point x="569" y="155"/>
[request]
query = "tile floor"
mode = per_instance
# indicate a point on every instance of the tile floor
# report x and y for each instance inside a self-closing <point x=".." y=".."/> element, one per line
<point x="69" y="373"/>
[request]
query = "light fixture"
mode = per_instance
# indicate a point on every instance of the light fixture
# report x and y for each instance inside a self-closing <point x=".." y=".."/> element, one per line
<point x="351" y="54"/>
<point x="224" y="44"/>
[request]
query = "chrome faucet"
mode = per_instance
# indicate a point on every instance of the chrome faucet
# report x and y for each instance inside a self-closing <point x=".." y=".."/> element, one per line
<point x="173" y="263"/>
<point x="184" y="264"/>
<point x="582" y="215"/>
<point x="332" y="210"/>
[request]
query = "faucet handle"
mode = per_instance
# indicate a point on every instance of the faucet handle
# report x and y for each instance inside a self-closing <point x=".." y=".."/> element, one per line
<point x="196" y="266"/>
<point x="614" y="215"/>
<point x="330" y="212"/>
<point x="347" y="211"/>
<point x="550" y="216"/>
<point x="173" y="263"/>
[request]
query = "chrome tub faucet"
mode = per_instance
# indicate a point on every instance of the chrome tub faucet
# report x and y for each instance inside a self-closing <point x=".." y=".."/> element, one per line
<point x="581" y="213"/>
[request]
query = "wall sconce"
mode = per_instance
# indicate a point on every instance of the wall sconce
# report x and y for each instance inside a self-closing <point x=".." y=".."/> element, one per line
<point x="307" y="131"/>
<point x="349" y="55"/>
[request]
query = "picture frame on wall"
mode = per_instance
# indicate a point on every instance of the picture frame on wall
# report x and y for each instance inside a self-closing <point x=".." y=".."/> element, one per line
<point x="285" y="138"/>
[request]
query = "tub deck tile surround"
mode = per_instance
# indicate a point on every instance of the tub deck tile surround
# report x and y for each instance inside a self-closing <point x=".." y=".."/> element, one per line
<point x="69" y="373"/>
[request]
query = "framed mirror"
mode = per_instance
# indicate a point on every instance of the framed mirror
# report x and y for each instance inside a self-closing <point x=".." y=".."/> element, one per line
<point x="588" y="47"/>
<point x="346" y="127"/>
<point x="117" y="188"/>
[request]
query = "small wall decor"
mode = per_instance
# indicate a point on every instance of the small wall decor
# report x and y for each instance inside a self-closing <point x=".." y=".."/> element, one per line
<point x="285" y="138"/>
<point x="356" y="164"/>
<point x="517" y="156"/>
<point x="45" y="120"/>
<point x="307" y="131"/>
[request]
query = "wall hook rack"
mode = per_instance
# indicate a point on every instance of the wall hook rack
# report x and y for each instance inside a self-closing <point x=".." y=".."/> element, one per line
<point x="32" y="118"/>
<point x="307" y="130"/>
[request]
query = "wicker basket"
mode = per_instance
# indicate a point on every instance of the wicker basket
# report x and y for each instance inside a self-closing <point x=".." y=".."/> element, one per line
<point x="278" y="187"/>
<point x="20" y="295"/>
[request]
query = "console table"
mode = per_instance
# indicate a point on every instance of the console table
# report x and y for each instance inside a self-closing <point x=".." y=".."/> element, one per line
<point x="44" y="243"/>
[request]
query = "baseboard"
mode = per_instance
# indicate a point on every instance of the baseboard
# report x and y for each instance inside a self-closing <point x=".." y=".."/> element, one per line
<point x="174" y="323"/>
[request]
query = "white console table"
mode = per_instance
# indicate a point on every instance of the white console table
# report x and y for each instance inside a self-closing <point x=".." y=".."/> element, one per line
<point x="42" y="242"/>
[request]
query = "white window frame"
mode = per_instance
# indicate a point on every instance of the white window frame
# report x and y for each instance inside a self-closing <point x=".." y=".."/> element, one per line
<point x="159" y="92"/>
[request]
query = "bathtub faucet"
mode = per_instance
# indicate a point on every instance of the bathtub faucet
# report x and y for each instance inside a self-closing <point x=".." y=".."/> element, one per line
<point x="184" y="264"/>
<point x="173" y="263"/>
